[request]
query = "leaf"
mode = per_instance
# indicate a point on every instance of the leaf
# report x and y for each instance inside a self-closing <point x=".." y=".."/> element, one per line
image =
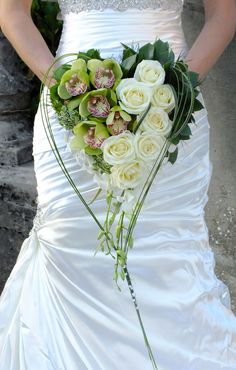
<point x="131" y="242"/>
<point x="115" y="276"/>
<point x="182" y="137"/>
<point x="90" y="54"/>
<point x="74" y="102"/>
<point x="192" y="118"/>
<point x="122" y="274"/>
<point x="175" y="140"/>
<point x="94" y="54"/>
<point x="127" y="52"/>
<point x="55" y="99"/>
<point x="193" y="78"/>
<point x="118" y="231"/>
<point x="112" y="96"/>
<point x="101" y="234"/>
<point x="173" y="156"/>
<point x="58" y="73"/>
<point x="168" y="65"/>
<point x="128" y="64"/>
<point x="162" y="52"/>
<point x="186" y="131"/>
<point x="145" y="52"/>
<point x="197" y="105"/>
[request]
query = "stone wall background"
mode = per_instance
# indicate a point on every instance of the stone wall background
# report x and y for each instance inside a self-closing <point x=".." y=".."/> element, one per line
<point x="17" y="180"/>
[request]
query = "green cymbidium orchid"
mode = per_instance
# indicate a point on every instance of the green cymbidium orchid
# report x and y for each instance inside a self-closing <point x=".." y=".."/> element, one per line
<point x="75" y="81"/>
<point x="97" y="103"/>
<point x="89" y="135"/>
<point x="104" y="74"/>
<point x="117" y="120"/>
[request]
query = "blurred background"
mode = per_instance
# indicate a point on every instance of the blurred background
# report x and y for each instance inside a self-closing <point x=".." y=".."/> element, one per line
<point x="19" y="94"/>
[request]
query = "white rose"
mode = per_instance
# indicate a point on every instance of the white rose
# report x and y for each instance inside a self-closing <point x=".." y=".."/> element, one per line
<point x="128" y="175"/>
<point x="148" y="146"/>
<point x="134" y="96"/>
<point x="163" y="97"/>
<point x="150" y="72"/>
<point x="119" y="149"/>
<point x="157" y="121"/>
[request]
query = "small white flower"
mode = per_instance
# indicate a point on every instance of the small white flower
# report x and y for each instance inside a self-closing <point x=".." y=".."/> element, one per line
<point x="157" y="121"/>
<point x="130" y="199"/>
<point x="84" y="161"/>
<point x="163" y="97"/>
<point x="150" y="72"/>
<point x="134" y="96"/>
<point x="103" y="180"/>
<point x="119" y="149"/>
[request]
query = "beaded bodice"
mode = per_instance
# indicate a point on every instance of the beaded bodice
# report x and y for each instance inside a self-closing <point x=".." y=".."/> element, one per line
<point x="77" y="6"/>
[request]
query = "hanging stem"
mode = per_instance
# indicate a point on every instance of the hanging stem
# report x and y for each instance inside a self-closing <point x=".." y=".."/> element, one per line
<point x="139" y="317"/>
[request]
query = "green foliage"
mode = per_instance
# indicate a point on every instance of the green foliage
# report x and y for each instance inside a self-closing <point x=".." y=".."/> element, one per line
<point x="90" y="54"/>
<point x="173" y="156"/>
<point x="159" y="50"/>
<point x="99" y="163"/>
<point x="68" y="119"/>
<point x="44" y="15"/>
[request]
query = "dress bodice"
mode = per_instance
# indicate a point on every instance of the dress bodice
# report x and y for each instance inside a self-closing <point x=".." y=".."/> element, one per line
<point x="77" y="6"/>
<point x="105" y="24"/>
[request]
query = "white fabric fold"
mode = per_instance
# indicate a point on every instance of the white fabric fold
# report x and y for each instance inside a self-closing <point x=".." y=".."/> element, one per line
<point x="60" y="309"/>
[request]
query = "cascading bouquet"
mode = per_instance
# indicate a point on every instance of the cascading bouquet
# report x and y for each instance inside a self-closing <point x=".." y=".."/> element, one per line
<point x="124" y="120"/>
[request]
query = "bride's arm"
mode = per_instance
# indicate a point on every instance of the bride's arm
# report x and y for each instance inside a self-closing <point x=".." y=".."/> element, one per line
<point x="17" y="25"/>
<point x="218" y="31"/>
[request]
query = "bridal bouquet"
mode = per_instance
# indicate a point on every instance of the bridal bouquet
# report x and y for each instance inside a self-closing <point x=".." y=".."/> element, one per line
<point x="124" y="121"/>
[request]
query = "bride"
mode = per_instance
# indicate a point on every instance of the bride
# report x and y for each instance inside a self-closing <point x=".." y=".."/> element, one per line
<point x="60" y="308"/>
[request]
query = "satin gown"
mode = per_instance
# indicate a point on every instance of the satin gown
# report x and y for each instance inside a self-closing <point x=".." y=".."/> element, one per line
<point x="60" y="308"/>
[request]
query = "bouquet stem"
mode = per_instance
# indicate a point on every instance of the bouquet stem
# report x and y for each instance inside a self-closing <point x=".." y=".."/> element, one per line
<point x="139" y="317"/>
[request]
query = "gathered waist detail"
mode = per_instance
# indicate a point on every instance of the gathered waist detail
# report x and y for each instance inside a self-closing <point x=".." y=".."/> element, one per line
<point x="107" y="29"/>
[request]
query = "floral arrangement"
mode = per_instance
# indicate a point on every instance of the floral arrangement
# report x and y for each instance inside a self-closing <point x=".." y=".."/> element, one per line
<point x="124" y="120"/>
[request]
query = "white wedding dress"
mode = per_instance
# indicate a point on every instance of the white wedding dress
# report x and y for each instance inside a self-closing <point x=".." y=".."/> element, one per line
<point x="60" y="308"/>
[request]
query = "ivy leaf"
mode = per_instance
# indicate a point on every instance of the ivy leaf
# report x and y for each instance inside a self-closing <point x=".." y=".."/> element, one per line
<point x="175" y="140"/>
<point x="128" y="64"/>
<point x="55" y="99"/>
<point x="94" y="54"/>
<point x="162" y="52"/>
<point x="197" y="105"/>
<point x="127" y="52"/>
<point x="58" y="73"/>
<point x="145" y="52"/>
<point x="90" y="54"/>
<point x="184" y="137"/>
<point x="186" y="131"/>
<point x="173" y="156"/>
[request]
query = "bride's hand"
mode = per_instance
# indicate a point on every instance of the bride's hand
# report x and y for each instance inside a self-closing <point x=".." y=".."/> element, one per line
<point x="18" y="27"/>
<point x="218" y="31"/>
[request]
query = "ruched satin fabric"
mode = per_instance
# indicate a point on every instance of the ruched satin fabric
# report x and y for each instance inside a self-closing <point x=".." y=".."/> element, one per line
<point x="60" y="308"/>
